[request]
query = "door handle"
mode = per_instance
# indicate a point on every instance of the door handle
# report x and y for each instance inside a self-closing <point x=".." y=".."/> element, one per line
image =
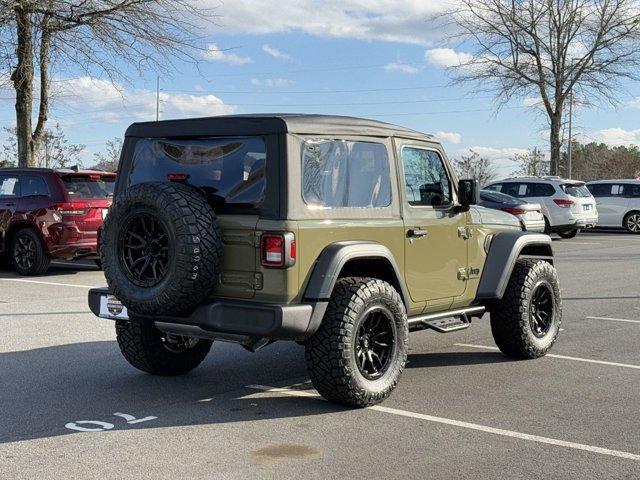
<point x="417" y="233"/>
<point x="9" y="204"/>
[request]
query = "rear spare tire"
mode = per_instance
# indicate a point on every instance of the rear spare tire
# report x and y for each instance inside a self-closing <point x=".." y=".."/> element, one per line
<point x="160" y="248"/>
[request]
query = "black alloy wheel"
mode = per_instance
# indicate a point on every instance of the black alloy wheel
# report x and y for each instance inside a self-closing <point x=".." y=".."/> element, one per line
<point x="144" y="249"/>
<point x="375" y="342"/>
<point x="24" y="252"/>
<point x="541" y="310"/>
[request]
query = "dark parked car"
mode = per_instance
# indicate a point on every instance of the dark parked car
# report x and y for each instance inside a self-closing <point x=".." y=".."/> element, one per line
<point x="46" y="214"/>
<point x="529" y="214"/>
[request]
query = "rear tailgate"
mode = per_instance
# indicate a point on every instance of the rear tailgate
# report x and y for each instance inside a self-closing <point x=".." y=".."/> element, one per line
<point x="584" y="205"/>
<point x="90" y="196"/>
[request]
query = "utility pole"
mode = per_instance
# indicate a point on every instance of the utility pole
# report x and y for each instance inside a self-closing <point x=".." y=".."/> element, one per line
<point x="570" y="134"/>
<point x="158" y="97"/>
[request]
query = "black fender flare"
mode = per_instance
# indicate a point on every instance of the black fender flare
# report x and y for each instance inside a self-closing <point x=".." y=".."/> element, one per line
<point x="504" y="251"/>
<point x="335" y="256"/>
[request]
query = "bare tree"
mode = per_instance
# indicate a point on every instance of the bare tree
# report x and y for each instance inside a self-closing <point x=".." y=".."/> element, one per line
<point x="531" y="164"/>
<point x="474" y="166"/>
<point x="92" y="36"/>
<point x="55" y="150"/>
<point x="549" y="49"/>
<point x="109" y="159"/>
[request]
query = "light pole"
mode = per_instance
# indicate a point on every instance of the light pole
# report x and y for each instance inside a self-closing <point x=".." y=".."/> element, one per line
<point x="570" y="134"/>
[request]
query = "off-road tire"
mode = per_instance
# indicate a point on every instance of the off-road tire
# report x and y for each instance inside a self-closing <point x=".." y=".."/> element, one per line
<point x="142" y="346"/>
<point x="510" y="317"/>
<point x="566" y="234"/>
<point x="195" y="248"/>
<point x="42" y="259"/>
<point x="627" y="224"/>
<point x="330" y="352"/>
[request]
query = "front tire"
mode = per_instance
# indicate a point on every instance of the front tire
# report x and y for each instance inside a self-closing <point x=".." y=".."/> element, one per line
<point x="28" y="255"/>
<point x="154" y="352"/>
<point x="359" y="352"/>
<point x="632" y="222"/>
<point x="569" y="233"/>
<point x="526" y="321"/>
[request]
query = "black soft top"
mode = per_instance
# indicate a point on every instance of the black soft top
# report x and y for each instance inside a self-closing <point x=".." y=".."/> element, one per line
<point x="264" y="124"/>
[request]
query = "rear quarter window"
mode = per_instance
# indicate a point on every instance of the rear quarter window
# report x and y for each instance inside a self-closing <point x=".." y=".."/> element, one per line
<point x="231" y="171"/>
<point x="343" y="174"/>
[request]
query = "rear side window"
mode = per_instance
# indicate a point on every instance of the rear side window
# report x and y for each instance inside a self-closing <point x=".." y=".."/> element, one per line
<point x="632" y="191"/>
<point x="530" y="189"/>
<point x="576" y="190"/>
<point x="32" y="186"/>
<point x="600" y="189"/>
<point x="89" y="186"/>
<point x="9" y="186"/>
<point x="231" y="171"/>
<point x="343" y="173"/>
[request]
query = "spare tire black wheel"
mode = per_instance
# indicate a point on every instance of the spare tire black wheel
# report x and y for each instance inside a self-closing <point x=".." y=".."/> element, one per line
<point x="160" y="248"/>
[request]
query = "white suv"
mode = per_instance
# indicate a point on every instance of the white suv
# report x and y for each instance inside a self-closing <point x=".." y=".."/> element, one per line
<point x="618" y="203"/>
<point x="567" y="205"/>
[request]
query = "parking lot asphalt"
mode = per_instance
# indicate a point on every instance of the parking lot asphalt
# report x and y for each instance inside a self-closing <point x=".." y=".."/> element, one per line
<point x="71" y="407"/>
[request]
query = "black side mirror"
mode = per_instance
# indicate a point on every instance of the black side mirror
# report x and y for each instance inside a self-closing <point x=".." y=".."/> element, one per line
<point x="468" y="192"/>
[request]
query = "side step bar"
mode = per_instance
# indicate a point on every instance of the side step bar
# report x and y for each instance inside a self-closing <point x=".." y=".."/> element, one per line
<point x="444" y="322"/>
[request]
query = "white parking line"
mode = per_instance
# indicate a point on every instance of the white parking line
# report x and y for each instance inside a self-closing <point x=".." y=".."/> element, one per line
<point x="46" y="283"/>
<point x="614" y="319"/>
<point x="564" y="357"/>
<point x="470" y="426"/>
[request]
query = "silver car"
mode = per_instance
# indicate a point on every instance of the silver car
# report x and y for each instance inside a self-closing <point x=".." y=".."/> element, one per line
<point x="529" y="214"/>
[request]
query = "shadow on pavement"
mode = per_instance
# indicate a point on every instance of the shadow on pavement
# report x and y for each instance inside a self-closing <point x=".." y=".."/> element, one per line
<point x="43" y="389"/>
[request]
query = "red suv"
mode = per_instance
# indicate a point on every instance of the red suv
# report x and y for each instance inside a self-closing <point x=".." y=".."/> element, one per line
<point x="46" y="214"/>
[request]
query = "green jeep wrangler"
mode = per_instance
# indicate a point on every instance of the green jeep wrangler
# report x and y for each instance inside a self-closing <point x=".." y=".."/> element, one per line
<point x="339" y="233"/>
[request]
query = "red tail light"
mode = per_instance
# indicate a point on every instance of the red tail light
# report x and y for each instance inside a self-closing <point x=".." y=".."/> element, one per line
<point x="73" y="208"/>
<point x="562" y="203"/>
<point x="278" y="250"/>
<point x="177" y="177"/>
<point x="514" y="210"/>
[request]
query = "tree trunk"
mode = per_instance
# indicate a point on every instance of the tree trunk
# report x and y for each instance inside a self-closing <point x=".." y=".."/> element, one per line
<point x="554" y="136"/>
<point x="22" y="78"/>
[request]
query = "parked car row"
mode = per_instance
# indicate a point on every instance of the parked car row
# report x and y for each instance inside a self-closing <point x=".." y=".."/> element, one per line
<point x="51" y="214"/>
<point x="568" y="206"/>
<point x="56" y="214"/>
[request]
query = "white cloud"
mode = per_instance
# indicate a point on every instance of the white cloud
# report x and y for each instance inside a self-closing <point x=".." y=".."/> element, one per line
<point x="275" y="53"/>
<point x="616" y="136"/>
<point x="215" y="54"/>
<point x="400" y="67"/>
<point x="447" y="57"/>
<point x="273" y="82"/>
<point x="496" y="153"/>
<point x="635" y="103"/>
<point x="404" y="21"/>
<point x="451" y="137"/>
<point x="107" y="102"/>
<point x="531" y="101"/>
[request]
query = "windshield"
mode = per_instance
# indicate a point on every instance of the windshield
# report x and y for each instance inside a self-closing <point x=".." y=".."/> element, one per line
<point x="576" y="190"/>
<point x="85" y="186"/>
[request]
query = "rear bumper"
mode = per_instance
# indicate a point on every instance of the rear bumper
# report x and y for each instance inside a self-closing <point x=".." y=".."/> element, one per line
<point x="224" y="318"/>
<point x="67" y="241"/>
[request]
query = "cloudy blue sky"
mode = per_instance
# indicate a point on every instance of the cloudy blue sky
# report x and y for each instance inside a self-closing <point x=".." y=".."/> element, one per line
<point x="382" y="59"/>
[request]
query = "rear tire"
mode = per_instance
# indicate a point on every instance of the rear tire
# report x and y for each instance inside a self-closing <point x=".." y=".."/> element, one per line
<point x="151" y="351"/>
<point x="98" y="263"/>
<point x="526" y="321"/>
<point x="547" y="227"/>
<point x="160" y="249"/>
<point x="28" y="255"/>
<point x="632" y="222"/>
<point x="569" y="233"/>
<point x="350" y="359"/>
